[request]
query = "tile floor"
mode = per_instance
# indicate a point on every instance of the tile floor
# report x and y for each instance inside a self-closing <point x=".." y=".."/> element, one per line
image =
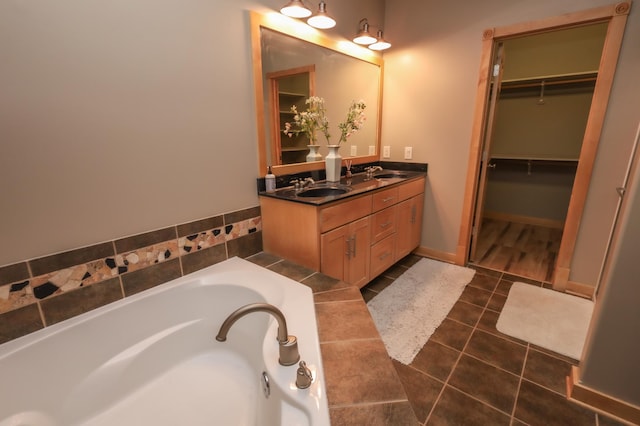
<point x="468" y="373"/>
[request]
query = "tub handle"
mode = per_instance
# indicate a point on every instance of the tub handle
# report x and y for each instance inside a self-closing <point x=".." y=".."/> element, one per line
<point x="304" y="378"/>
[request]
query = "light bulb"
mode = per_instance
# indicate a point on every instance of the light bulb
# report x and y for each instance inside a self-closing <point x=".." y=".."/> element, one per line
<point x="321" y="19"/>
<point x="295" y="9"/>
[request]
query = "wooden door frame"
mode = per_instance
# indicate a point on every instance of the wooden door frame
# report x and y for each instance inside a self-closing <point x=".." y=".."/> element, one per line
<point x="616" y="16"/>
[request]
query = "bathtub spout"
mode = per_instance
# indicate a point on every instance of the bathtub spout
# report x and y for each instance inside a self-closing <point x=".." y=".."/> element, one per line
<point x="289" y="354"/>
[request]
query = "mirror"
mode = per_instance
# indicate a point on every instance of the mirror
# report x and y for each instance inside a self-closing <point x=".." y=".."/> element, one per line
<point x="341" y="72"/>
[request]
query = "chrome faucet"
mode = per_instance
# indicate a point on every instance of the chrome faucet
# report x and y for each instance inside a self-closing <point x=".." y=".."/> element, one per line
<point x="289" y="354"/>
<point x="307" y="181"/>
<point x="372" y="169"/>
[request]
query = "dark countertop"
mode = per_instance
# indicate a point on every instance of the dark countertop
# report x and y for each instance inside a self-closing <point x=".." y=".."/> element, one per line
<point x="358" y="184"/>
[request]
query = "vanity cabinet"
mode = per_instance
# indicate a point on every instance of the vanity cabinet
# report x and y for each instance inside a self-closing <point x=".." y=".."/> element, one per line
<point x="355" y="239"/>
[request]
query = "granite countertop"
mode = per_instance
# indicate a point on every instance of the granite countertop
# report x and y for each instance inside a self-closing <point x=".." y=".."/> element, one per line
<point x="356" y="185"/>
<point x="392" y="173"/>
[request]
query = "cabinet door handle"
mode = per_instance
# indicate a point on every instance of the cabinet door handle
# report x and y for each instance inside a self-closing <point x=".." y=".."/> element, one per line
<point x="353" y="242"/>
<point x="348" y="244"/>
<point x="413" y="214"/>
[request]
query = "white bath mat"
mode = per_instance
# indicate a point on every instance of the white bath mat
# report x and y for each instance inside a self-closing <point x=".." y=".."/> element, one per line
<point x="547" y="318"/>
<point x="408" y="311"/>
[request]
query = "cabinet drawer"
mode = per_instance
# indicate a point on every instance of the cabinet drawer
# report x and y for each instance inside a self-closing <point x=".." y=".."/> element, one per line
<point x="383" y="223"/>
<point x="385" y="198"/>
<point x="410" y="189"/>
<point x="336" y="215"/>
<point x="382" y="256"/>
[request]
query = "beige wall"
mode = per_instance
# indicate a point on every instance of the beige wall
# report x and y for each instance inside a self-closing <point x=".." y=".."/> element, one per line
<point x="609" y="362"/>
<point x="431" y="76"/>
<point x="118" y="118"/>
<point x="122" y="117"/>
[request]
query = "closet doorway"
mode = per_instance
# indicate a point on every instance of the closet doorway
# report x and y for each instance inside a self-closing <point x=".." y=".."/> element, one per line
<point x="539" y="105"/>
<point x="510" y="168"/>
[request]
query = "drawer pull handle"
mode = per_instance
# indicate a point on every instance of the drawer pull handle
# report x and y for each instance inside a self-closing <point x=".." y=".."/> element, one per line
<point x="384" y="255"/>
<point x="384" y="225"/>
<point x="386" y="200"/>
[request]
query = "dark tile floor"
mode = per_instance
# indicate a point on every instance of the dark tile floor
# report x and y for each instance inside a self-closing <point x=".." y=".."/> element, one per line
<point x="468" y="373"/>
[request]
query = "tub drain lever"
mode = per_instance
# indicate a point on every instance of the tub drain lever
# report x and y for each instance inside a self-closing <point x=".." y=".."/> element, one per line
<point x="304" y="378"/>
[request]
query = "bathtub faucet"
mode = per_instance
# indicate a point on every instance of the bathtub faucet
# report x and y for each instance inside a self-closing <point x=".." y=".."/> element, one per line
<point x="289" y="354"/>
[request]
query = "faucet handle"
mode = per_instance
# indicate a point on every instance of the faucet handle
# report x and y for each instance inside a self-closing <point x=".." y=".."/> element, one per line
<point x="296" y="183"/>
<point x="304" y="378"/>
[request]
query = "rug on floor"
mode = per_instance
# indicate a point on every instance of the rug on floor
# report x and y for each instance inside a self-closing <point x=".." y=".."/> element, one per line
<point x="547" y="318"/>
<point x="407" y="312"/>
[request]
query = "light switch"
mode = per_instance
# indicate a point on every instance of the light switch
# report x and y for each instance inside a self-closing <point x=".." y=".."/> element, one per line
<point x="408" y="152"/>
<point x="372" y="150"/>
<point x="386" y="151"/>
<point x="354" y="150"/>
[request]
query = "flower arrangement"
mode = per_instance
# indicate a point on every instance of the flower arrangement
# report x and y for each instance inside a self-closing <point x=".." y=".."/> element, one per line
<point x="314" y="119"/>
<point x="354" y="122"/>
<point x="309" y="121"/>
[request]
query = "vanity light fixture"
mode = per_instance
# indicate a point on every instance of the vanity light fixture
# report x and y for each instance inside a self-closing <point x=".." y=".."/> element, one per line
<point x="321" y="19"/>
<point x="295" y="9"/>
<point x="381" y="44"/>
<point x="364" y="37"/>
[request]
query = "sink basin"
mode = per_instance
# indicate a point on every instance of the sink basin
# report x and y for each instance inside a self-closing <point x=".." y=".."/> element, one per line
<point x="324" y="191"/>
<point x="390" y="175"/>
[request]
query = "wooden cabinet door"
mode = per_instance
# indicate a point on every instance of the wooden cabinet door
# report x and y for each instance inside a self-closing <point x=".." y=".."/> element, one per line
<point x="409" y="227"/>
<point x="358" y="259"/>
<point x="334" y="252"/>
<point x="345" y="252"/>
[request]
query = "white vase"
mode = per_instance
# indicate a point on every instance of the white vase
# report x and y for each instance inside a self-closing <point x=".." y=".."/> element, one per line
<point x="313" y="154"/>
<point x="333" y="163"/>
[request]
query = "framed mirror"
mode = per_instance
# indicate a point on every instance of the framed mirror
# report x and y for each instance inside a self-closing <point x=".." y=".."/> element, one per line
<point x="342" y="72"/>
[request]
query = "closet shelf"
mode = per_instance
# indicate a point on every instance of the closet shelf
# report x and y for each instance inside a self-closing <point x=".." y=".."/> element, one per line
<point x="537" y="159"/>
<point x="564" y="80"/>
<point x="530" y="165"/>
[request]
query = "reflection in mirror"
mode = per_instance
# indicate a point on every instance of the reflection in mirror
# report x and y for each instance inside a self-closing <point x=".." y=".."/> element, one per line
<point x="334" y="73"/>
<point x="289" y="88"/>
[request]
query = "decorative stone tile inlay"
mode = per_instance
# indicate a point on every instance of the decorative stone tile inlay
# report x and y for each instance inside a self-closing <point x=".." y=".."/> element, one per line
<point x="245" y="227"/>
<point x="143" y="257"/>
<point x="200" y="241"/>
<point x="219" y="235"/>
<point x="71" y="278"/>
<point x="16" y="295"/>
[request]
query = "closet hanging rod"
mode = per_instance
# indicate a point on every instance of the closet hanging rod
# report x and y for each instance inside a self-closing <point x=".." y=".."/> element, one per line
<point x="550" y="80"/>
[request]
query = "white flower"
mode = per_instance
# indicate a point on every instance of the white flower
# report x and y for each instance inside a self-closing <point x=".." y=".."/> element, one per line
<point x="355" y="120"/>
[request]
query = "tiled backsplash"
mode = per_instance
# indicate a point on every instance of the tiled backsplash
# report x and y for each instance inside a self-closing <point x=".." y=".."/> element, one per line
<point x="46" y="290"/>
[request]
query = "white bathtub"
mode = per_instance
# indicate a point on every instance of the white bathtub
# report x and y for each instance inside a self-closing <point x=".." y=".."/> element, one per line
<point x="152" y="358"/>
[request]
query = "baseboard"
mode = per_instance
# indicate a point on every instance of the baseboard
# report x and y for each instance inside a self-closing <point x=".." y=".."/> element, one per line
<point x="435" y="254"/>
<point x="579" y="289"/>
<point x="529" y="220"/>
<point x="600" y="402"/>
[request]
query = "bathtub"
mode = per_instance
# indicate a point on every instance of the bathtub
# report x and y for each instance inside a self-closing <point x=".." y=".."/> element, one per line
<point x="152" y="358"/>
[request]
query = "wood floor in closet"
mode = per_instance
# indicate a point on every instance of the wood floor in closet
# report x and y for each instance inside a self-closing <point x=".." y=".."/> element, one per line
<point x="517" y="248"/>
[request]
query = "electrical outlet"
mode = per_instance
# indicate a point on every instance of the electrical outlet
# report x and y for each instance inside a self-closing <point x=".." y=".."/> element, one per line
<point x="372" y="150"/>
<point x="354" y="150"/>
<point x="408" y="152"/>
<point x="386" y="151"/>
